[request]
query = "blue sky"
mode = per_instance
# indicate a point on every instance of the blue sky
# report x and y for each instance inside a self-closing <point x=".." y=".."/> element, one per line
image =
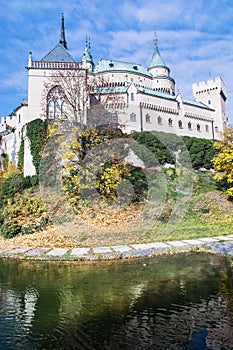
<point x="195" y="38"/>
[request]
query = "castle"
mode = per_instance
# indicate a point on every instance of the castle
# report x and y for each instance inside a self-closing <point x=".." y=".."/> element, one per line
<point x="147" y="97"/>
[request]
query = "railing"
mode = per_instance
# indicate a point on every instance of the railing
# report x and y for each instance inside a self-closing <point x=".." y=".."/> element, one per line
<point x="58" y="65"/>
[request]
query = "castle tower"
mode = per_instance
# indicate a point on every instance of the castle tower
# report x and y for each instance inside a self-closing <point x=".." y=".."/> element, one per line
<point x="213" y="94"/>
<point x="161" y="73"/>
<point x="87" y="60"/>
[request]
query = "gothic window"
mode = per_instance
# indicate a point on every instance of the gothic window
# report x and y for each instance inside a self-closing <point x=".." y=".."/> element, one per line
<point x="55" y="103"/>
<point x="189" y="126"/>
<point x="132" y="96"/>
<point x="159" y="120"/>
<point x="170" y="122"/>
<point x="133" y="117"/>
<point x="147" y="118"/>
<point x="180" y="124"/>
<point x="198" y="127"/>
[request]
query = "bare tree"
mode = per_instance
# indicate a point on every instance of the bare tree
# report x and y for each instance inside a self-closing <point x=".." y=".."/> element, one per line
<point x="81" y="98"/>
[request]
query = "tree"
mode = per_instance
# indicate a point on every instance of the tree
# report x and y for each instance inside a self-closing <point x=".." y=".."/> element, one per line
<point x="82" y="99"/>
<point x="223" y="160"/>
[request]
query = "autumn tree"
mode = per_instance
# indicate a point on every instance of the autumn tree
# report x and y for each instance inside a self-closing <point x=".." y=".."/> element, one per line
<point x="223" y="160"/>
<point x="80" y="98"/>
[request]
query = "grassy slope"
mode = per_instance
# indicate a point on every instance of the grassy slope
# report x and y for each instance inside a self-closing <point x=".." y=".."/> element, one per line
<point x="209" y="214"/>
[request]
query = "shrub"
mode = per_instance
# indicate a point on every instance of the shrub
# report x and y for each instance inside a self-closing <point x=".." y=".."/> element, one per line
<point x="37" y="134"/>
<point x="21" y="215"/>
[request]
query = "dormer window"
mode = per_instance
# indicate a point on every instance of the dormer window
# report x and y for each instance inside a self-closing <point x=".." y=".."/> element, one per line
<point x="111" y="65"/>
<point x="135" y="67"/>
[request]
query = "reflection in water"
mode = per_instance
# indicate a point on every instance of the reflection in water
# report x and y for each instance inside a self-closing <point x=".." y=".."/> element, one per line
<point x="177" y="302"/>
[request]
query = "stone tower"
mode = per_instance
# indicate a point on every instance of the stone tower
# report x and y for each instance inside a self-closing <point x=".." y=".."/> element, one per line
<point x="213" y="94"/>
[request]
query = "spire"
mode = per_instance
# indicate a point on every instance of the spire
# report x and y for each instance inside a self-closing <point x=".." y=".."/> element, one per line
<point x="155" y="38"/>
<point x="62" y="40"/>
<point x="87" y="56"/>
<point x="157" y="59"/>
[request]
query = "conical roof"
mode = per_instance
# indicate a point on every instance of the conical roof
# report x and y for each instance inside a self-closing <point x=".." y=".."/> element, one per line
<point x="87" y="56"/>
<point x="157" y="59"/>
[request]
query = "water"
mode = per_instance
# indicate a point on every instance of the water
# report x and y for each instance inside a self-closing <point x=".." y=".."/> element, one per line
<point x="176" y="302"/>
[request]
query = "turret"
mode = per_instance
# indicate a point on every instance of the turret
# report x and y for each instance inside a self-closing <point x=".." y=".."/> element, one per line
<point x="160" y="71"/>
<point x="87" y="60"/>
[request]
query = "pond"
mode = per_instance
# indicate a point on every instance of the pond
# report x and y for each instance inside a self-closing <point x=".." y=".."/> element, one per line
<point x="183" y="301"/>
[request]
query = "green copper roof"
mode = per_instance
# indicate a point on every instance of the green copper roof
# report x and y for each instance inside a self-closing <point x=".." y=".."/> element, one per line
<point x="157" y="59"/>
<point x="58" y="54"/>
<point x="87" y="54"/>
<point x="105" y="65"/>
<point x="197" y="104"/>
<point x="156" y="93"/>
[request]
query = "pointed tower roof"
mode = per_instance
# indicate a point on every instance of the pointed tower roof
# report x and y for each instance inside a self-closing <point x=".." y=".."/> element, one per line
<point x="87" y="56"/>
<point x="157" y="59"/>
<point x="59" y="53"/>
<point x="62" y="40"/>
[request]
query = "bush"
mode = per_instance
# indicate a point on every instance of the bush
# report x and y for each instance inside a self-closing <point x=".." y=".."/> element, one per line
<point x="16" y="183"/>
<point x="37" y="134"/>
<point x="21" y="215"/>
<point x="201" y="152"/>
<point x="164" y="145"/>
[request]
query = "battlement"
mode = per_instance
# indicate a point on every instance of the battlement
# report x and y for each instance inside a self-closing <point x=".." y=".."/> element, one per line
<point x="210" y="85"/>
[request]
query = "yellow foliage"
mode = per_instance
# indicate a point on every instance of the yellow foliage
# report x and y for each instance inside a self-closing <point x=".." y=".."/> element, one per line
<point x="223" y="160"/>
<point x="11" y="170"/>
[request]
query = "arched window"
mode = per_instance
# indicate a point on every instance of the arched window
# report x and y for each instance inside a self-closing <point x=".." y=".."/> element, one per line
<point x="198" y="127"/>
<point x="189" y="126"/>
<point x="56" y="103"/>
<point x="133" y="117"/>
<point x="170" y="122"/>
<point x="180" y="124"/>
<point x="147" y="118"/>
<point x="159" y="120"/>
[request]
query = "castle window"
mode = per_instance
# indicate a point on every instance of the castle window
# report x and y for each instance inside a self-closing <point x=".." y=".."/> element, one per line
<point x="216" y="129"/>
<point x="132" y="96"/>
<point x="209" y="102"/>
<point x="55" y="103"/>
<point x="180" y="124"/>
<point x="159" y="120"/>
<point x="189" y="126"/>
<point x="170" y="122"/>
<point x="198" y="127"/>
<point x="19" y="118"/>
<point x="133" y="117"/>
<point x="147" y="118"/>
<point x="207" y="128"/>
